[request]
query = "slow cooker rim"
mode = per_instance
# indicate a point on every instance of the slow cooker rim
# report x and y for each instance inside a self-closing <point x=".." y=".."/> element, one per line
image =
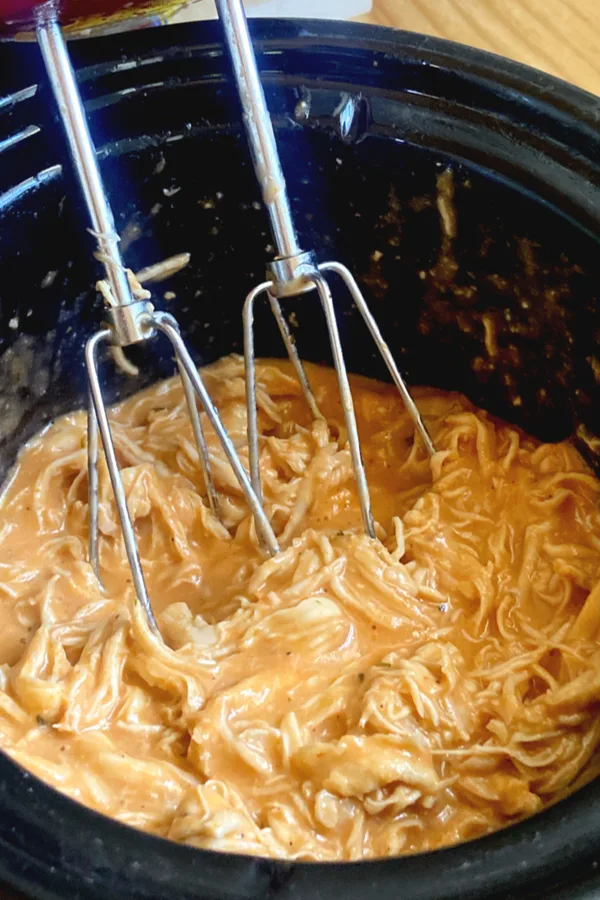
<point x="38" y="808"/>
<point x="550" y="89"/>
<point x="557" y="123"/>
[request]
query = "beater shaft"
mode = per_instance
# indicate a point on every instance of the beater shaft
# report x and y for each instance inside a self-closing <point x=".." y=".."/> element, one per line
<point x="66" y="93"/>
<point x="259" y="129"/>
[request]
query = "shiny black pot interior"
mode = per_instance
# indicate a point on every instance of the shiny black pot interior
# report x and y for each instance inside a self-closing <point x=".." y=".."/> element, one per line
<point x="367" y="120"/>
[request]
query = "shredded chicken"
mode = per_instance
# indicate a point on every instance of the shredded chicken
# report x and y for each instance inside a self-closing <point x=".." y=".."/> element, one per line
<point x="349" y="698"/>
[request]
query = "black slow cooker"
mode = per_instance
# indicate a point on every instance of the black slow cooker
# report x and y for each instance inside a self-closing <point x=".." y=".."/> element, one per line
<point x="367" y="120"/>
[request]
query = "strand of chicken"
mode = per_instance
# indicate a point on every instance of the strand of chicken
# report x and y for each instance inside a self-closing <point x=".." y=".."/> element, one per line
<point x="348" y="698"/>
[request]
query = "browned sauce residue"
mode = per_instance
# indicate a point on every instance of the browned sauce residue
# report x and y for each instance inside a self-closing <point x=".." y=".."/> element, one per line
<point x="349" y="698"/>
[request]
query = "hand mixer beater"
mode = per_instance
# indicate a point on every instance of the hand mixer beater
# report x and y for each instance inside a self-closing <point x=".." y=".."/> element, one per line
<point x="294" y="271"/>
<point x="132" y="319"/>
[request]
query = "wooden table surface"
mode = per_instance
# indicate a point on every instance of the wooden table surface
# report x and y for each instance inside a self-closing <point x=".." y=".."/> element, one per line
<point x="559" y="36"/>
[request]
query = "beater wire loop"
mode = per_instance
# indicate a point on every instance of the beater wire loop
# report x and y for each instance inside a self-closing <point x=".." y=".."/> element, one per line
<point x="347" y="403"/>
<point x="131" y="549"/>
<point x="166" y="324"/>
<point x="363" y="308"/>
<point x="93" y="499"/>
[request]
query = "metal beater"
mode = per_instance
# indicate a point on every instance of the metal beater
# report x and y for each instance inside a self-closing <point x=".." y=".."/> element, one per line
<point x="131" y="320"/>
<point x="295" y="271"/>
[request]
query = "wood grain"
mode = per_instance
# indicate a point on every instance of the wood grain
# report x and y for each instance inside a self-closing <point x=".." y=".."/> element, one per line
<point x="558" y="36"/>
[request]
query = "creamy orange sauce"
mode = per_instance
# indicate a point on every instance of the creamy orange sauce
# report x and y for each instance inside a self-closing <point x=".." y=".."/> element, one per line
<point x="349" y="698"/>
